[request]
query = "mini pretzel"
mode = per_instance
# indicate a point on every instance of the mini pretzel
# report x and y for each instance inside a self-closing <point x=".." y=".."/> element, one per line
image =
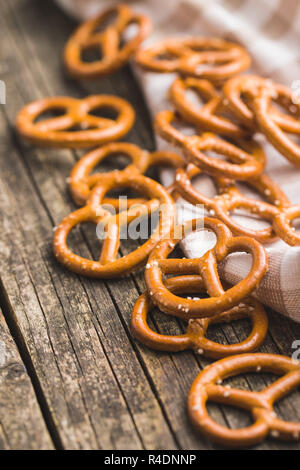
<point x="82" y="180"/>
<point x="62" y="131"/>
<point x="114" y="54"/>
<point x="230" y="198"/>
<point x="195" y="338"/>
<point x="249" y="86"/>
<point x="246" y="160"/>
<point x="261" y="404"/>
<point x="282" y="225"/>
<point x="208" y="117"/>
<point x="210" y="58"/>
<point x="206" y="266"/>
<point x="108" y="265"/>
<point x="274" y="131"/>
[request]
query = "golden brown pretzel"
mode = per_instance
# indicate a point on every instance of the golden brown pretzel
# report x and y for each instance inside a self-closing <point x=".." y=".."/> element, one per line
<point x="82" y="180"/>
<point x="261" y="404"/>
<point x="249" y="86"/>
<point x="275" y="132"/>
<point x="200" y="57"/>
<point x="206" y="266"/>
<point x="195" y="338"/>
<point x="208" y="117"/>
<point x="229" y="198"/>
<point x="109" y="42"/>
<point x="244" y="160"/>
<point x="62" y="131"/>
<point x="108" y="265"/>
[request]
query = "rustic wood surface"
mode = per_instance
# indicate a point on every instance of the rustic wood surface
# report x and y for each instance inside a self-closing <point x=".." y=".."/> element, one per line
<point x="71" y="375"/>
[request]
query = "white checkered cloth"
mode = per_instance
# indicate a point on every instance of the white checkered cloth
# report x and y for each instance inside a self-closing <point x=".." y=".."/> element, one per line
<point x="270" y="30"/>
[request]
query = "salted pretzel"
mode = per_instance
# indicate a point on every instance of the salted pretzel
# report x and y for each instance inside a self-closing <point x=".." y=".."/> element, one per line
<point x="115" y="52"/>
<point x="195" y="338"/>
<point x="229" y="198"/>
<point x="108" y="265"/>
<point x="244" y="160"/>
<point x="207" y="387"/>
<point x="207" y="117"/>
<point x="206" y="266"/>
<point x="240" y="91"/>
<point x="274" y="131"/>
<point x="211" y="58"/>
<point x="77" y="127"/>
<point x="82" y="178"/>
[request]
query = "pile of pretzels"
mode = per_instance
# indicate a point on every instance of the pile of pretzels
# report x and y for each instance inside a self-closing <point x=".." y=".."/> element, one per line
<point x="236" y="107"/>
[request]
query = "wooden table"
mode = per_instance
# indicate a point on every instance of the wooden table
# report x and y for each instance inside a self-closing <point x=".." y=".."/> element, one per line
<point x="71" y="375"/>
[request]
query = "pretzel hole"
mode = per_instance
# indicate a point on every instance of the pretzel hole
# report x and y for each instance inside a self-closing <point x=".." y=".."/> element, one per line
<point x="165" y="324"/>
<point x="199" y="242"/>
<point x="115" y="161"/>
<point x="106" y="112"/>
<point x="142" y="227"/>
<point x="254" y="381"/>
<point x="295" y="223"/>
<point x="129" y="33"/>
<point x="249" y="220"/>
<point x="285" y="106"/>
<point x="50" y="114"/>
<point x="91" y="53"/>
<point x="229" y="416"/>
<point x="233" y="332"/>
<point x="287" y="407"/>
<point x="183" y="127"/>
<point x="78" y="244"/>
<point x="249" y="191"/>
<point x="194" y="96"/>
<point x="218" y="155"/>
<point x="205" y="185"/>
<point x="165" y="56"/>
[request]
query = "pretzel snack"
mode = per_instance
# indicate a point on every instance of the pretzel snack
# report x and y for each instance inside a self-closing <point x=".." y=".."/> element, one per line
<point x="82" y="180"/>
<point x="211" y="58"/>
<point x="243" y="161"/>
<point x="195" y="338"/>
<point x="109" y="42"/>
<point x="229" y="198"/>
<point x="206" y="266"/>
<point x="77" y="127"/>
<point x="208" y="117"/>
<point x="206" y="387"/>
<point x="108" y="265"/>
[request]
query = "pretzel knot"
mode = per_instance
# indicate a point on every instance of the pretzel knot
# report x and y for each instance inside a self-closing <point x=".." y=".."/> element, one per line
<point x="257" y="110"/>
<point x="209" y="116"/>
<point x="207" y="267"/>
<point x="243" y="161"/>
<point x="195" y="338"/>
<point x="230" y="198"/>
<point x="273" y="130"/>
<point x="210" y="58"/>
<point x="108" y="265"/>
<point x="82" y="178"/>
<point x="109" y="42"/>
<point x="260" y="404"/>
<point x="240" y="91"/>
<point x="77" y="126"/>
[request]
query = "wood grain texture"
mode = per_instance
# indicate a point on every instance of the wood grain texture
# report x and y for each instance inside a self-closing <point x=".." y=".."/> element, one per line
<point x="98" y="387"/>
<point x="21" y="422"/>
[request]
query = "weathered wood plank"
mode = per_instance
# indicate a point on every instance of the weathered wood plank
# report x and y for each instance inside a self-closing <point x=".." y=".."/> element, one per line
<point x="22" y="426"/>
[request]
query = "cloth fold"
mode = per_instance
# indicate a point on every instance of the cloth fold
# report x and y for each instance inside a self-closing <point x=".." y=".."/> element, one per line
<point x="270" y="31"/>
